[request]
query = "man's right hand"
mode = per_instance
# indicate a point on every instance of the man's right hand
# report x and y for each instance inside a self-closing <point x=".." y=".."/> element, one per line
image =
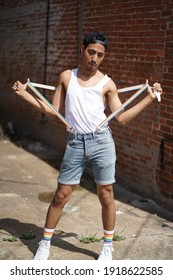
<point x="19" y="88"/>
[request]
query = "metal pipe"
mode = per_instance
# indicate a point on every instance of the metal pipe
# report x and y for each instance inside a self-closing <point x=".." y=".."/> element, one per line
<point x="49" y="105"/>
<point x="125" y="104"/>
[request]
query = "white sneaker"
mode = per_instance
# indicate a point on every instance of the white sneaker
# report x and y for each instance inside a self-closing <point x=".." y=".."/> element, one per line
<point x="43" y="250"/>
<point x="106" y="252"/>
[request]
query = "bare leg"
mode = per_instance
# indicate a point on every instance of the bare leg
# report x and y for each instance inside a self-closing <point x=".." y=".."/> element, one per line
<point x="106" y="197"/>
<point x="61" y="197"/>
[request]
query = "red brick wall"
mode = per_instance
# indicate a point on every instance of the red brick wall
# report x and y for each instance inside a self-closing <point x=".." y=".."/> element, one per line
<point x="165" y="133"/>
<point x="140" y="35"/>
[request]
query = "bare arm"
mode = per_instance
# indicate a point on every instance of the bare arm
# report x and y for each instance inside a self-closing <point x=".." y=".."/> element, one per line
<point x="20" y="90"/>
<point x="125" y="116"/>
<point x="60" y="93"/>
<point x="58" y="99"/>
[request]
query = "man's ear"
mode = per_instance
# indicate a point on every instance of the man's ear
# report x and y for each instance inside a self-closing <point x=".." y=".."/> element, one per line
<point x="82" y="49"/>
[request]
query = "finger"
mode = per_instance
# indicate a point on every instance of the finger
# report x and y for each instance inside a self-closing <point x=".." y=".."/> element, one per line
<point x="158" y="88"/>
<point x="155" y="84"/>
<point x="14" y="86"/>
<point x="151" y="93"/>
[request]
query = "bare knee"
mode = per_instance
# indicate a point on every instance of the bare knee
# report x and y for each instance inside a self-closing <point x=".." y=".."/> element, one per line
<point x="106" y="196"/>
<point x="62" y="196"/>
<point x="59" y="199"/>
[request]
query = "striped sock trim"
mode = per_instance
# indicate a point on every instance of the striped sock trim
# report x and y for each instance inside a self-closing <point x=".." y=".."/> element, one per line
<point x="47" y="234"/>
<point x="108" y="236"/>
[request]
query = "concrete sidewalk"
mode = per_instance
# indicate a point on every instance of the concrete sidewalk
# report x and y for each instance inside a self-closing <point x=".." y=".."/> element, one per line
<point x="28" y="172"/>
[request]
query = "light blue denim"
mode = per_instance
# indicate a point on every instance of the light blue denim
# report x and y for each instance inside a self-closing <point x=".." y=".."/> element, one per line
<point x="98" y="149"/>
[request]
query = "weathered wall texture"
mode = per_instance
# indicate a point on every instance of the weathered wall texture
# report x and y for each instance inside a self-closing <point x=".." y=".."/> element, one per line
<point x="39" y="39"/>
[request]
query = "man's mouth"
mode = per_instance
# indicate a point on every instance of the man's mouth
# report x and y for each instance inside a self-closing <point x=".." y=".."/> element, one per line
<point x="92" y="64"/>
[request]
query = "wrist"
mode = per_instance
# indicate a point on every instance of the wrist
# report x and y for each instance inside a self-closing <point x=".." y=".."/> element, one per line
<point x="151" y="96"/>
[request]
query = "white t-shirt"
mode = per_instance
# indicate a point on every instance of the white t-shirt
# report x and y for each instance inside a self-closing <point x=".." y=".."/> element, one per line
<point x="84" y="107"/>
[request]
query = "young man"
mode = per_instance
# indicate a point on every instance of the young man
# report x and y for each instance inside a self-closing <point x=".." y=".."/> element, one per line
<point x="85" y="92"/>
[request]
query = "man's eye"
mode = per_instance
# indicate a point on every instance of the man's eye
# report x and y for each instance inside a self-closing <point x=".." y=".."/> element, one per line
<point x="91" y="52"/>
<point x="100" y="55"/>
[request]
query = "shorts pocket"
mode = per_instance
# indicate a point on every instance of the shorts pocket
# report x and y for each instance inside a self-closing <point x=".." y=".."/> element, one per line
<point x="70" y="139"/>
<point x="104" y="138"/>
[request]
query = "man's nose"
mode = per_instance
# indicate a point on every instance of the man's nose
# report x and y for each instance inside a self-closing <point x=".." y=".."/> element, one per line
<point x="94" y="57"/>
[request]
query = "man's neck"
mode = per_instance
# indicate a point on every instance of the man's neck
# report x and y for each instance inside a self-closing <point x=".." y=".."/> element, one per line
<point x="85" y="74"/>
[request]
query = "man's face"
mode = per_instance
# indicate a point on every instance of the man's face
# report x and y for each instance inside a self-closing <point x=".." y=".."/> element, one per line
<point x="92" y="56"/>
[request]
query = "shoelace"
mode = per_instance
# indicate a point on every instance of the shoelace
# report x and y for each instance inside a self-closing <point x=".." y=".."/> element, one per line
<point x="106" y="250"/>
<point x="44" y="244"/>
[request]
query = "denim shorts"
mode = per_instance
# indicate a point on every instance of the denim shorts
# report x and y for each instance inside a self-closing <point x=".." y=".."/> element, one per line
<point x="98" y="149"/>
